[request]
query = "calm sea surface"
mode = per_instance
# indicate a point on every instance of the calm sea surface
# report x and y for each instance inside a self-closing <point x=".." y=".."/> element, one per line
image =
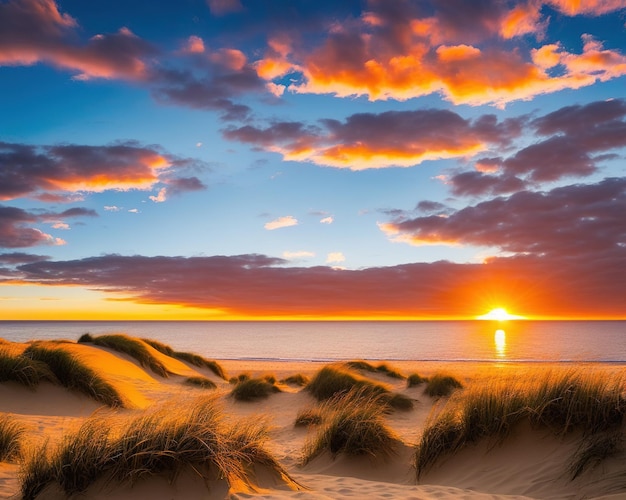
<point x="576" y="341"/>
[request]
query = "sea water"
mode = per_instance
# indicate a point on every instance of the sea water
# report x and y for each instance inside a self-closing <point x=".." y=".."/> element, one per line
<point x="563" y="341"/>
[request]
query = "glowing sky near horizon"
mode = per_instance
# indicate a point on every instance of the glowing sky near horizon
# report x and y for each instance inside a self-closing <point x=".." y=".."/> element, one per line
<point x="391" y="159"/>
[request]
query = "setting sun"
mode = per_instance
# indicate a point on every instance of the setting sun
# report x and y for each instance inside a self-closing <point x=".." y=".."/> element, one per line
<point x="499" y="314"/>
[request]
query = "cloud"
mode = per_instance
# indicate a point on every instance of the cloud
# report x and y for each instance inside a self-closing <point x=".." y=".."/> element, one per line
<point x="180" y="185"/>
<point x="577" y="220"/>
<point x="16" y="229"/>
<point x="36" y="171"/>
<point x="224" y="7"/>
<point x="111" y="208"/>
<point x="161" y="197"/>
<point x="406" y="50"/>
<point x="281" y="222"/>
<point x="33" y="31"/>
<point x="327" y="220"/>
<point x="21" y="258"/>
<point x="256" y="285"/>
<point x="335" y="258"/>
<point x="301" y="254"/>
<point x="391" y="138"/>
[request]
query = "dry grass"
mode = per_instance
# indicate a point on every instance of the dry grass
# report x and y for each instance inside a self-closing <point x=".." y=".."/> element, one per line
<point x="135" y="348"/>
<point x="297" y="379"/>
<point x="381" y="368"/>
<point x="415" y="379"/>
<point x="441" y="385"/>
<point x="251" y="389"/>
<point x="11" y="436"/>
<point x="591" y="403"/>
<point x="333" y="380"/>
<point x="72" y="373"/>
<point x="201" y="382"/>
<point x="309" y="416"/>
<point x="188" y="357"/>
<point x="24" y="370"/>
<point x="352" y="423"/>
<point x="163" y="441"/>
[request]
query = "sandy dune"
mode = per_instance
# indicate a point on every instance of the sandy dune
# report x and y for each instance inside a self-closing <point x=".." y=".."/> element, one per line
<point x="531" y="463"/>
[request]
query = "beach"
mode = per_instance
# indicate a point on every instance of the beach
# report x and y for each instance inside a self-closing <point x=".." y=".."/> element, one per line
<point x="531" y="459"/>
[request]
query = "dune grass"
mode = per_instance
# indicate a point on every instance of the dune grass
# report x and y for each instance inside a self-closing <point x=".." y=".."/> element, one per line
<point x="188" y="357"/>
<point x="594" y="450"/>
<point x="441" y="385"/>
<point x="24" y="370"/>
<point x="591" y="403"/>
<point x="162" y="441"/>
<point x="73" y="374"/>
<point x="135" y="348"/>
<point x="11" y="436"/>
<point x="352" y="423"/>
<point x="298" y="379"/>
<point x="332" y="380"/>
<point x="308" y="416"/>
<point x="201" y="382"/>
<point x="251" y="389"/>
<point x="381" y="368"/>
<point x="415" y="379"/>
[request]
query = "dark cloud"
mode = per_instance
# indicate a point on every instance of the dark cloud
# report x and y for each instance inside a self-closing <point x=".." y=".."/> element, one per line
<point x="581" y="219"/>
<point x="34" y="31"/>
<point x="573" y="287"/>
<point x="427" y="206"/>
<point x="45" y="171"/>
<point x="21" y="258"/>
<point x="475" y="183"/>
<point x="391" y="138"/>
<point x="184" y="184"/>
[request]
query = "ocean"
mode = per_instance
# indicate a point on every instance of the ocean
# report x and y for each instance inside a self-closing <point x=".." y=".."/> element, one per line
<point x="563" y="341"/>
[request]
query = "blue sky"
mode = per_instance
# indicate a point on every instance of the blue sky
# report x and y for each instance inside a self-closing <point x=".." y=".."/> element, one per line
<point x="399" y="159"/>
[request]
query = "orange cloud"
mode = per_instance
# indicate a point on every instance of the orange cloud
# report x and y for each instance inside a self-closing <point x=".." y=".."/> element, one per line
<point x="587" y="7"/>
<point x="460" y="55"/>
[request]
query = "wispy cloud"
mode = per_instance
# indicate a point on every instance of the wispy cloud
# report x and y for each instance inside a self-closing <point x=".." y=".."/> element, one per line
<point x="285" y="221"/>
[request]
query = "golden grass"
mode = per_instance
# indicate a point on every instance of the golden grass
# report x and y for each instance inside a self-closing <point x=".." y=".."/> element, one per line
<point x="441" y="385"/>
<point x="161" y="441"/>
<point x="11" y="436"/>
<point x="352" y="423"/>
<point x="333" y="380"/>
<point x="562" y="401"/>
<point x="381" y="368"/>
<point x="250" y="389"/>
<point x="72" y="373"/>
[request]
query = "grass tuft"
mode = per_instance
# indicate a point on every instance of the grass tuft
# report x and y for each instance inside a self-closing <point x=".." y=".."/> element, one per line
<point x="353" y="424"/>
<point x="441" y="385"/>
<point x="202" y="382"/>
<point x="24" y="370"/>
<point x="74" y="374"/>
<point x="250" y="389"/>
<point x="309" y="416"/>
<point x="162" y="441"/>
<point x="592" y="403"/>
<point x="86" y="338"/>
<point x="368" y="367"/>
<point x="11" y="435"/>
<point x="594" y="450"/>
<point x="332" y="380"/>
<point x="297" y="379"/>
<point x="415" y="379"/>
<point x="135" y="348"/>
<point x="192" y="359"/>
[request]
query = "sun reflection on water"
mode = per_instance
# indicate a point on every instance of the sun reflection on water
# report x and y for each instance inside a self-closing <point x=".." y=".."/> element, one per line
<point x="499" y="340"/>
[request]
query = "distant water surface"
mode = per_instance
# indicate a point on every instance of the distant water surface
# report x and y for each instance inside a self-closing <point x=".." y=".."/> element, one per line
<point x="576" y="341"/>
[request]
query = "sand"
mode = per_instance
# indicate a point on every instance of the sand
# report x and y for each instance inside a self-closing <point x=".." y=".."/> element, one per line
<point x="530" y="464"/>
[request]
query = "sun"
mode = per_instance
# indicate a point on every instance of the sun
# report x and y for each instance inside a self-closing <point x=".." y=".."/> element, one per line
<point x="499" y="314"/>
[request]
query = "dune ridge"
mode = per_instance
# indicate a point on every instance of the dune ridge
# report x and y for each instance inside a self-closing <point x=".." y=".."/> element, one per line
<point x="320" y="431"/>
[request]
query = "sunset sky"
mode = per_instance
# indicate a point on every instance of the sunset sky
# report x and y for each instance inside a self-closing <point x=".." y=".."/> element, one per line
<point x="313" y="159"/>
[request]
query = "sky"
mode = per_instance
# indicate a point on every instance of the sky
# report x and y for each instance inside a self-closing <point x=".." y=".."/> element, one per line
<point x="312" y="159"/>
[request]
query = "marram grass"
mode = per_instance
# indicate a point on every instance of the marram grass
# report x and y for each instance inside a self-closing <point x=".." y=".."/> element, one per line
<point x="352" y="423"/>
<point x="330" y="381"/>
<point x="11" y="435"/>
<point x="566" y="401"/>
<point x="24" y="370"/>
<point x="135" y="348"/>
<point x="74" y="374"/>
<point x="251" y="389"/>
<point x="162" y="441"/>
